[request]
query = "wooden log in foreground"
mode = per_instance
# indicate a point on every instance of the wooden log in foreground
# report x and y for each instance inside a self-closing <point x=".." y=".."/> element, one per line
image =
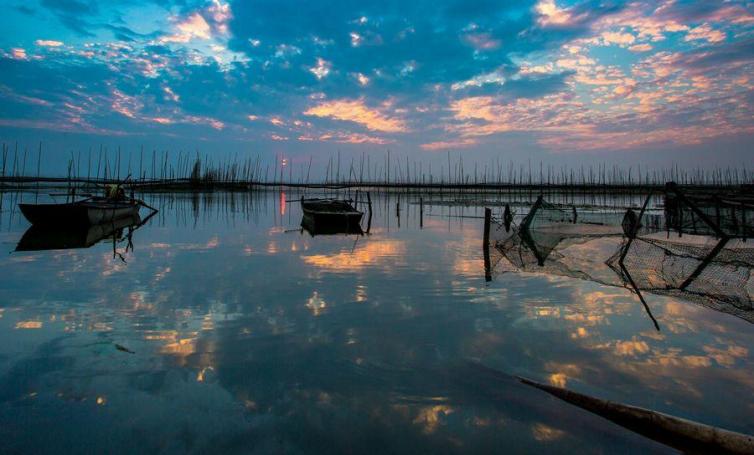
<point x="676" y="432"/>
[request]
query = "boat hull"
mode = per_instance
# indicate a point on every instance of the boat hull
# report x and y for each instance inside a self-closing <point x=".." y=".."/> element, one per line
<point x="99" y="215"/>
<point x="78" y="213"/>
<point x="330" y="216"/>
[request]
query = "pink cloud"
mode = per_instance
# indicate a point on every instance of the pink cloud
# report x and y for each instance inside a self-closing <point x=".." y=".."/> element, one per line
<point x="486" y="115"/>
<point x="48" y="43"/>
<point x="527" y="68"/>
<point x="653" y="27"/>
<point x="624" y="89"/>
<point x="358" y="112"/>
<point x="552" y="15"/>
<point x="353" y="138"/>
<point x="619" y="38"/>
<point x="482" y="41"/>
<point x="735" y="14"/>
<point x="640" y="48"/>
<point x="221" y="15"/>
<point x="124" y="104"/>
<point x="131" y="107"/>
<point x="576" y="63"/>
<point x="18" y="53"/>
<point x="194" y="26"/>
<point x="452" y="144"/>
<point x="216" y="124"/>
<point x="602" y="78"/>
<point x="705" y="32"/>
<point x="637" y="139"/>
<point x="170" y="94"/>
<point x="481" y="108"/>
<point x="363" y="79"/>
<point x="321" y="69"/>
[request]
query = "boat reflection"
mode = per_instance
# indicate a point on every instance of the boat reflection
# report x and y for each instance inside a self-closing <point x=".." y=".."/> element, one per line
<point x="309" y="225"/>
<point x="67" y="237"/>
<point x="46" y="237"/>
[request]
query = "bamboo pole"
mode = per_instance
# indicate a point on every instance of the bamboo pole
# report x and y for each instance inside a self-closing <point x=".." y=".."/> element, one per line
<point x="682" y="434"/>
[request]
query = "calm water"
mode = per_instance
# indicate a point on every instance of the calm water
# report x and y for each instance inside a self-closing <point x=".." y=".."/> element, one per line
<point x="247" y="335"/>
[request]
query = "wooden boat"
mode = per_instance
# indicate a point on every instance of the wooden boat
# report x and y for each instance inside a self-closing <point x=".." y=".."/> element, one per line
<point x="87" y="212"/>
<point x="41" y="237"/>
<point x="330" y="216"/>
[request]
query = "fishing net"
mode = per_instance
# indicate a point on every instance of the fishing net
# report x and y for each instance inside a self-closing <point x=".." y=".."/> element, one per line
<point x="650" y="223"/>
<point x="560" y="241"/>
<point x="582" y="258"/>
<point x="547" y="217"/>
<point x="711" y="274"/>
<point x="709" y="214"/>
<point x="548" y="225"/>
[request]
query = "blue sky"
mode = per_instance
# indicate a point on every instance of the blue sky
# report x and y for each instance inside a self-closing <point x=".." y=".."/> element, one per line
<point x="565" y="82"/>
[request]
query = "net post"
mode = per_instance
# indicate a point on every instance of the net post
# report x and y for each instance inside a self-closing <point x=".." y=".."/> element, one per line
<point x="421" y="213"/>
<point x="486" y="244"/>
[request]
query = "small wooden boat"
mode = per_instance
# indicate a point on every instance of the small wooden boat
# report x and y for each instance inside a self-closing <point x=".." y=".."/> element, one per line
<point x="91" y="211"/>
<point x="330" y="216"/>
<point x="40" y="237"/>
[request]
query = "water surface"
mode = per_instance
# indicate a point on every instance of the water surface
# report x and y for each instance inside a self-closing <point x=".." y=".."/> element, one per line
<point x="227" y="328"/>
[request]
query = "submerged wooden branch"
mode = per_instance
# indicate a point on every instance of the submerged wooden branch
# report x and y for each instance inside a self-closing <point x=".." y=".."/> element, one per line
<point x="676" y="432"/>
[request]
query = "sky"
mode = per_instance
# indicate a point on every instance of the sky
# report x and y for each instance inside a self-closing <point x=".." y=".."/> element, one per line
<point x="559" y="81"/>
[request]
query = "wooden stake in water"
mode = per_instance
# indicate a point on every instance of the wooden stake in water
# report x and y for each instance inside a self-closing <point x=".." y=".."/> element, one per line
<point x="39" y="160"/>
<point x="486" y="244"/>
<point x="421" y="213"/>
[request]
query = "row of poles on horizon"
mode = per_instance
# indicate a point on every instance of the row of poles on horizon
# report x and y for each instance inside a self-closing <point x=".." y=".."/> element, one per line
<point x="387" y="170"/>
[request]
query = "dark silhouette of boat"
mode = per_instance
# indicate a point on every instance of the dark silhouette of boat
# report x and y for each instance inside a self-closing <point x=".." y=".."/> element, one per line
<point x="87" y="212"/>
<point x="40" y="237"/>
<point x="330" y="216"/>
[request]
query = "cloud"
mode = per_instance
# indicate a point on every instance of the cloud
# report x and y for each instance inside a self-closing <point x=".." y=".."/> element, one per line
<point x="18" y="53"/>
<point x="705" y="32"/>
<point x="403" y="50"/>
<point x="482" y="41"/>
<point x="724" y="56"/>
<point x="640" y="48"/>
<point x="463" y="75"/>
<point x="194" y="26"/>
<point x="452" y="144"/>
<point x="358" y="112"/>
<point x="653" y="26"/>
<point x="321" y="69"/>
<point x="551" y="14"/>
<point x="48" y="43"/>
<point x="363" y="79"/>
<point x="619" y="38"/>
<point x="221" y="14"/>
<point x="353" y="138"/>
